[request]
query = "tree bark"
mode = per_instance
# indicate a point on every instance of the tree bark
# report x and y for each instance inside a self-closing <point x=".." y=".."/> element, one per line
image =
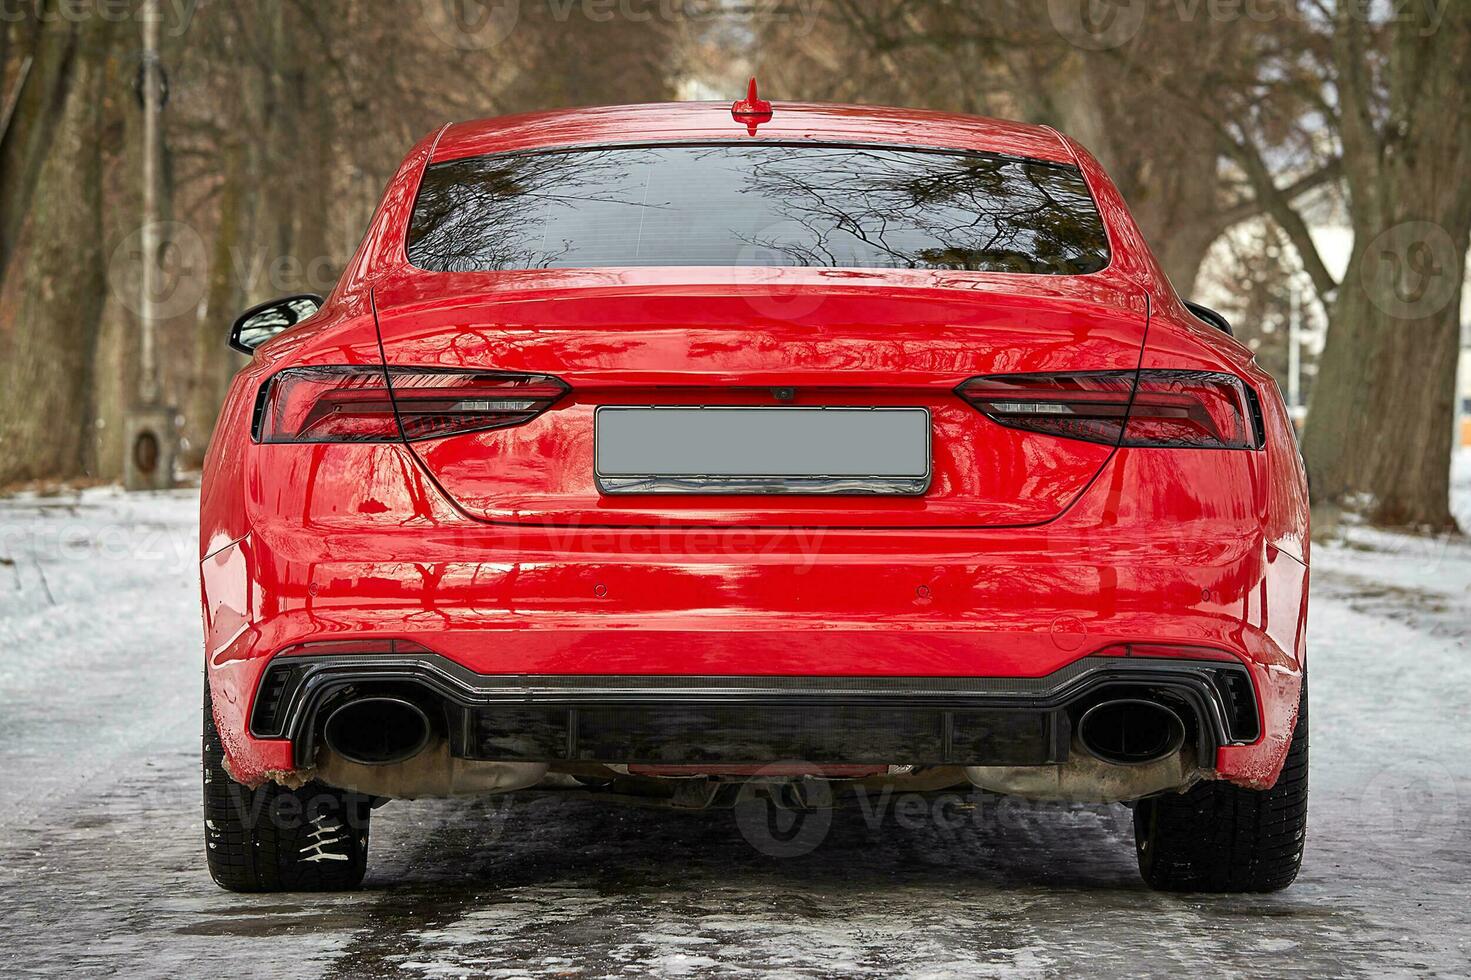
<point x="46" y="357"/>
<point x="50" y="40"/>
<point x="214" y="361"/>
<point x="1171" y="180"/>
<point x="1379" y="431"/>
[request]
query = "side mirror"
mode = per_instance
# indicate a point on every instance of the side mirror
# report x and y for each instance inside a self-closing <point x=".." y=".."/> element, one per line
<point x="260" y="323"/>
<point x="1211" y="316"/>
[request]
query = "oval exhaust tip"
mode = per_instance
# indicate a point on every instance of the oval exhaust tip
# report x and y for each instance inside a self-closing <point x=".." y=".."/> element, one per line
<point x="377" y="731"/>
<point x="1130" y="731"/>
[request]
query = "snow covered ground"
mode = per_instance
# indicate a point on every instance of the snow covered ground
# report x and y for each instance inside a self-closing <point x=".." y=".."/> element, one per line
<point x="101" y="862"/>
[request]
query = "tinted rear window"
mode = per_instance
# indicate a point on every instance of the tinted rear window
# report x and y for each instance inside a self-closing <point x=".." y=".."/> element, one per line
<point x="756" y="205"/>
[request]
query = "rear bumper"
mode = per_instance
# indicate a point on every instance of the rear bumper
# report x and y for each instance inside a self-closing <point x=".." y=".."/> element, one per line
<point x="908" y="671"/>
<point x="984" y="607"/>
<point x="753" y="720"/>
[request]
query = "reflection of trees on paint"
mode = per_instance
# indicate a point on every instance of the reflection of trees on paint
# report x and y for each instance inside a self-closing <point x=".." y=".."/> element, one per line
<point x="773" y="205"/>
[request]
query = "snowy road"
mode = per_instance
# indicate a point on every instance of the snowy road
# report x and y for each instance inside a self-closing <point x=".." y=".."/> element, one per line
<point x="102" y="871"/>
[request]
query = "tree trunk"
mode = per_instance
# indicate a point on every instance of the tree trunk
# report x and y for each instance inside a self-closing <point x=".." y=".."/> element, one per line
<point x="1167" y="174"/>
<point x="1413" y="403"/>
<point x="279" y="142"/>
<point x="47" y="357"/>
<point x="1181" y="220"/>
<point x="315" y="190"/>
<point x="214" y="361"/>
<point x="50" y="41"/>
<point x="1380" y="425"/>
<point x="1338" y="425"/>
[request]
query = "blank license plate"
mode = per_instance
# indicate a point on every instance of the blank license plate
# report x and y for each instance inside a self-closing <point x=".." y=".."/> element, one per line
<point x="762" y="450"/>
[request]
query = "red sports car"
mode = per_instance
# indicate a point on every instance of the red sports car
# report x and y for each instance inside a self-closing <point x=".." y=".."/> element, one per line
<point x="696" y="453"/>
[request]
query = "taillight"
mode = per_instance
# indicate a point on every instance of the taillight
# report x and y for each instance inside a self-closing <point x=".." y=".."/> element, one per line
<point x="1185" y="409"/>
<point x="437" y="403"/>
<point x="357" y="404"/>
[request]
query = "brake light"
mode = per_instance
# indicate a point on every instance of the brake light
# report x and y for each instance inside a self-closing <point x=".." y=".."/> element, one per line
<point x="362" y="404"/>
<point x="1184" y="409"/>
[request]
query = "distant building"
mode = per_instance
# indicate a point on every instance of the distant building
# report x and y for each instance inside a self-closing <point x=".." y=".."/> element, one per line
<point x="1463" y="387"/>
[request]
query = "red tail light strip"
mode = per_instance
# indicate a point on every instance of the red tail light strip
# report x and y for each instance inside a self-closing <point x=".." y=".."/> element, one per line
<point x="361" y="404"/>
<point x="1179" y="409"/>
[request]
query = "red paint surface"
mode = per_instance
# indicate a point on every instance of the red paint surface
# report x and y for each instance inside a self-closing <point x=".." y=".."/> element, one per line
<point x="495" y="549"/>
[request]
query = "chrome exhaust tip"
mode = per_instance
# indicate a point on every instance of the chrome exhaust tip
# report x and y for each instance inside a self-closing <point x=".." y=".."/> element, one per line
<point x="1130" y="731"/>
<point x="377" y="731"/>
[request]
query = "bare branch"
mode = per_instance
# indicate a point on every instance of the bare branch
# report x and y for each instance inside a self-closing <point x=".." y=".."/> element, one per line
<point x="1278" y="205"/>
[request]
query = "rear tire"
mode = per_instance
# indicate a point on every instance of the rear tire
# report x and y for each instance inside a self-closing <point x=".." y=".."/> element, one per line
<point x="1218" y="837"/>
<point x="274" y="839"/>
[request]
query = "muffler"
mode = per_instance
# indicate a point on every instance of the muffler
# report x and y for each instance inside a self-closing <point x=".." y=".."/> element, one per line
<point x="1130" y="731"/>
<point x="377" y="731"/>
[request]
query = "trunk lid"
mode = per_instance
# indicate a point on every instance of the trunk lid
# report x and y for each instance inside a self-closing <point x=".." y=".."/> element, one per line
<point x="675" y="337"/>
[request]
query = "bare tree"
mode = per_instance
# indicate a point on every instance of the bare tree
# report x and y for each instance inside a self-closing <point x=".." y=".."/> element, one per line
<point x="1007" y="58"/>
<point x="53" y="292"/>
<point x="1206" y="125"/>
<point x="1383" y="411"/>
<point x="300" y="110"/>
<point x="40" y="64"/>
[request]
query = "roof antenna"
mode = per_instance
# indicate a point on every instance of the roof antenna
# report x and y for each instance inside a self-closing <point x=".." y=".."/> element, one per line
<point x="752" y="110"/>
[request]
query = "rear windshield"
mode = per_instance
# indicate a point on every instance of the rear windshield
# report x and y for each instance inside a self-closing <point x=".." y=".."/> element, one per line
<point x="756" y="205"/>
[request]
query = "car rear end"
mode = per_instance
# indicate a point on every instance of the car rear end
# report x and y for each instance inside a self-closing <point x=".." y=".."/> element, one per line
<point x="702" y="461"/>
